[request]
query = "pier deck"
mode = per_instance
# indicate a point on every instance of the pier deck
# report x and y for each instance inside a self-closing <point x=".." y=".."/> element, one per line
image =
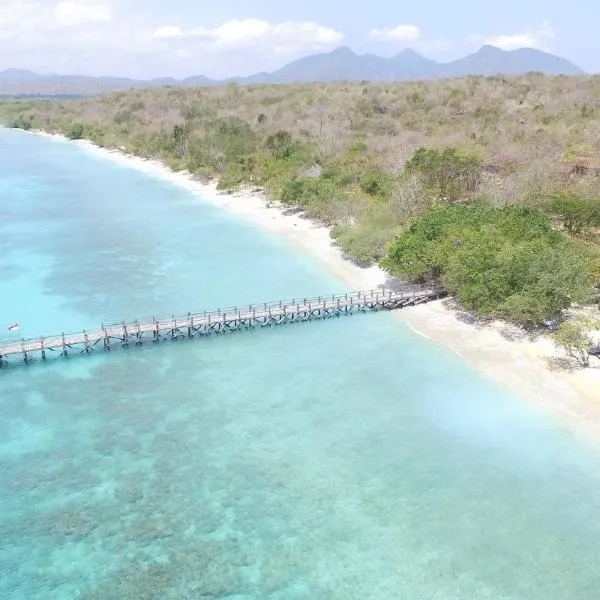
<point x="133" y="333"/>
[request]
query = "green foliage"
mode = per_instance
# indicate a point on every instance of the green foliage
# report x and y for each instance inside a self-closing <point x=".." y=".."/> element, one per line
<point x="271" y="100"/>
<point x="75" y="131"/>
<point x="376" y="184"/>
<point x="309" y="192"/>
<point x="232" y="126"/>
<point x="368" y="241"/>
<point x="180" y="140"/>
<point x="228" y="147"/>
<point x="575" y="212"/>
<point x="280" y="144"/>
<point x="451" y="173"/>
<point x="123" y="117"/>
<point x="507" y="263"/>
<point x="21" y="122"/>
<point x="573" y="336"/>
<point x="358" y="148"/>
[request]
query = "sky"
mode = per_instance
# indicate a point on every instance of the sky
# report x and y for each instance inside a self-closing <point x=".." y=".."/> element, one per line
<point x="177" y="38"/>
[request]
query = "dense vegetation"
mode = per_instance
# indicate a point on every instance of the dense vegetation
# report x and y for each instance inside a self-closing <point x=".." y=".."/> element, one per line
<point x="489" y="184"/>
<point x="506" y="262"/>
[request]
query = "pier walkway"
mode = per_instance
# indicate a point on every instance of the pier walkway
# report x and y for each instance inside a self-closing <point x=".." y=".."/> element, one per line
<point x="134" y="333"/>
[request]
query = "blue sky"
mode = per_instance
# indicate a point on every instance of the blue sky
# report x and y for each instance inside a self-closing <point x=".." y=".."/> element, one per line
<point x="149" y="38"/>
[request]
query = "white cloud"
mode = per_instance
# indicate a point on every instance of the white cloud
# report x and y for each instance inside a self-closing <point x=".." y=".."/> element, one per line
<point x="72" y="12"/>
<point x="530" y="37"/>
<point x="14" y="14"/>
<point x="165" y="32"/>
<point x="43" y="24"/>
<point x="286" y="37"/>
<point x="89" y="36"/>
<point x="401" y="34"/>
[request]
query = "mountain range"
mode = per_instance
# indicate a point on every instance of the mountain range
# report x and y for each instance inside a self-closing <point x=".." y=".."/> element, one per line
<point x="341" y="64"/>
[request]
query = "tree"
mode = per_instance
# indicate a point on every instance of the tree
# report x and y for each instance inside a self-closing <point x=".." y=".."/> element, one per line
<point x="576" y="213"/>
<point x="573" y="336"/>
<point x="508" y="263"/>
<point x="449" y="172"/>
<point x="180" y="140"/>
<point x="21" y="123"/>
<point x="280" y="144"/>
<point x="75" y="131"/>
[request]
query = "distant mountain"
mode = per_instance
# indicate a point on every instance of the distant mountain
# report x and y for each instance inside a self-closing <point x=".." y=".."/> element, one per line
<point x="490" y="60"/>
<point x="19" y="76"/>
<point x="340" y="65"/>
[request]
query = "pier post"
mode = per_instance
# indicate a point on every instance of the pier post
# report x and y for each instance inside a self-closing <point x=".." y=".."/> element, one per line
<point x="64" y="345"/>
<point x="42" y="348"/>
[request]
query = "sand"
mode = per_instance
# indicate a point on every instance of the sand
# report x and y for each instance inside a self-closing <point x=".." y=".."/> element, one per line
<point x="531" y="368"/>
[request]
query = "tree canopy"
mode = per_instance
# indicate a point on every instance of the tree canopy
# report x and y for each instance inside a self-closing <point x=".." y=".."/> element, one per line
<point x="507" y="263"/>
<point x="448" y="172"/>
<point x="573" y="336"/>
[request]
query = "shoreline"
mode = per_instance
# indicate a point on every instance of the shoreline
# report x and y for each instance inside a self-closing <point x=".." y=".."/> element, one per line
<point x="499" y="351"/>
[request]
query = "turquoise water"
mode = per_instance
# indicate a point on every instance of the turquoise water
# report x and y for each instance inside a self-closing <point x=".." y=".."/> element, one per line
<point x="347" y="459"/>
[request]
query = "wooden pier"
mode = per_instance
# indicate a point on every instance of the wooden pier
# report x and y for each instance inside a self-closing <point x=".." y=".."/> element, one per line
<point x="267" y="314"/>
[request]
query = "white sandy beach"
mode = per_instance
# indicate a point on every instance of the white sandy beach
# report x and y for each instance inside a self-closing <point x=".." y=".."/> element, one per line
<point x="534" y="369"/>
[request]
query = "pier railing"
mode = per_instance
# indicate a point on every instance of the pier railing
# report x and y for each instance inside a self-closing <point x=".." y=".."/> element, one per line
<point x="205" y="323"/>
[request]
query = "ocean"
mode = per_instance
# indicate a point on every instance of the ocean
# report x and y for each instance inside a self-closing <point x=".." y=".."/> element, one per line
<point x="344" y="459"/>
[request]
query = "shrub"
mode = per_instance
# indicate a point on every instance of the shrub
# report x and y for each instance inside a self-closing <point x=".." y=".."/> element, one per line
<point x="280" y="144"/>
<point x="573" y="336"/>
<point x="451" y="172"/>
<point x="75" y="131"/>
<point x="21" y="122"/>
<point x="376" y="184"/>
<point x="575" y="212"/>
<point x="507" y="263"/>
